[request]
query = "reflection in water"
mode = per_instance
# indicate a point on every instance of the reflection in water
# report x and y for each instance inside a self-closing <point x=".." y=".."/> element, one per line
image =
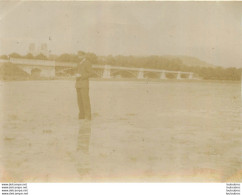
<point x="82" y="149"/>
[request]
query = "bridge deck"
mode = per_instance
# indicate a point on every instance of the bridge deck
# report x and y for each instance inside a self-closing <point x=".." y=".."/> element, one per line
<point x="71" y="65"/>
<point x="139" y="69"/>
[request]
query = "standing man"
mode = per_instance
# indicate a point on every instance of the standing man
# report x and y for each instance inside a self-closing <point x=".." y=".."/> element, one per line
<point x="84" y="71"/>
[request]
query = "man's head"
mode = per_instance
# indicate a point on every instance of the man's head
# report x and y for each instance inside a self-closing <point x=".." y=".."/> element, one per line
<point x="81" y="55"/>
<point x="81" y="58"/>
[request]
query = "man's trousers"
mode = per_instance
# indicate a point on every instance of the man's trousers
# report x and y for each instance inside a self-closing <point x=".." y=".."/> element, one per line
<point x="83" y="101"/>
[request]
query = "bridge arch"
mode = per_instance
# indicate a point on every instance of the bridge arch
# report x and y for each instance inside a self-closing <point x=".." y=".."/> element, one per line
<point x="125" y="73"/>
<point x="35" y="72"/>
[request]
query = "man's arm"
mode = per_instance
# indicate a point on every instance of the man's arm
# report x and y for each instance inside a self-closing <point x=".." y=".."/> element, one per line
<point x="78" y="71"/>
<point x="88" y="70"/>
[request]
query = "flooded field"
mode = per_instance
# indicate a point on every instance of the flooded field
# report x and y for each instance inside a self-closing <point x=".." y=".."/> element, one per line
<point x="141" y="131"/>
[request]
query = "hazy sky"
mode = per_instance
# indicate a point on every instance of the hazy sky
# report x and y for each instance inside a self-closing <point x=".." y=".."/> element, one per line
<point x="211" y="31"/>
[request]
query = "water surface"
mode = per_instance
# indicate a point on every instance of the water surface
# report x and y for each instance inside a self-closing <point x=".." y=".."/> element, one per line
<point x="141" y="131"/>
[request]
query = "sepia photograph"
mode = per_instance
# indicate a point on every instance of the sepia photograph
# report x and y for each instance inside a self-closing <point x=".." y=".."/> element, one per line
<point x="125" y="91"/>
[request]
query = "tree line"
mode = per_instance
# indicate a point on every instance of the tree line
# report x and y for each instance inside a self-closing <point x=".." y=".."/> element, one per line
<point x="152" y="62"/>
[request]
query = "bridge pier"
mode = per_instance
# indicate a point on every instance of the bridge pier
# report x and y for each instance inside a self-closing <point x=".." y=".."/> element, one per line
<point x="178" y="76"/>
<point x="163" y="75"/>
<point x="190" y="75"/>
<point x="106" y="72"/>
<point x="141" y="73"/>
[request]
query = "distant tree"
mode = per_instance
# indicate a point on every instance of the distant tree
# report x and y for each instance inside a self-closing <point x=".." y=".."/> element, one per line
<point x="67" y="58"/>
<point x="110" y="60"/>
<point x="29" y="56"/>
<point x="53" y="57"/>
<point x="63" y="57"/>
<point x="101" y="60"/>
<point x="15" y="55"/>
<point x="41" y="57"/>
<point x="233" y="73"/>
<point x="91" y="57"/>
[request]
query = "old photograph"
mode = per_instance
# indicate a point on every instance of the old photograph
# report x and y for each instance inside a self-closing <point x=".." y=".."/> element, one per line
<point x="120" y="91"/>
